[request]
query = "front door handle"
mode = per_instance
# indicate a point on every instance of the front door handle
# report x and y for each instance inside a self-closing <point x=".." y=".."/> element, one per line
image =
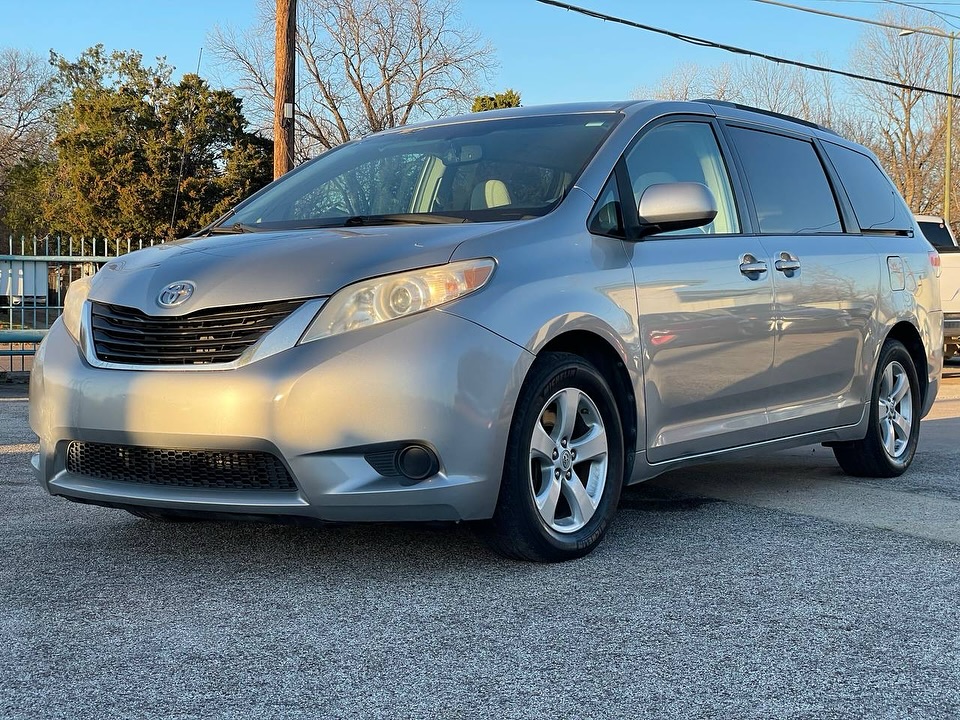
<point x="749" y="265"/>
<point x="787" y="263"/>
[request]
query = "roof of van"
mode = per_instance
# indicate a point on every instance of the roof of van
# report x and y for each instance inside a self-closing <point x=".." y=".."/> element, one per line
<point x="718" y="107"/>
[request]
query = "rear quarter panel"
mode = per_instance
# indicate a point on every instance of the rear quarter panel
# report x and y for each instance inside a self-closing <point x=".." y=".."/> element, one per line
<point x="918" y="304"/>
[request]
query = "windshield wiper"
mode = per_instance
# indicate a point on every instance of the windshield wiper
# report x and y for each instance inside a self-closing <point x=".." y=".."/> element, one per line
<point x="234" y="229"/>
<point x="403" y="219"/>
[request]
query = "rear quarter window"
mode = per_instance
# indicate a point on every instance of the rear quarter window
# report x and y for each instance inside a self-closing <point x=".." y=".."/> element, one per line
<point x="876" y="202"/>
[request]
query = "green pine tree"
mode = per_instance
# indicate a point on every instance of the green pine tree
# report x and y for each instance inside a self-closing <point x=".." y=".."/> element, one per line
<point x="507" y="99"/>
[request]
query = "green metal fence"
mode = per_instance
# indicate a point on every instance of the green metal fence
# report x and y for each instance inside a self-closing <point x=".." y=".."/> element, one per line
<point x="35" y="274"/>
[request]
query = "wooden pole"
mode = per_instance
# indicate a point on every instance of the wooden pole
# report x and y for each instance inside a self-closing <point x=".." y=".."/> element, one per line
<point x="284" y="96"/>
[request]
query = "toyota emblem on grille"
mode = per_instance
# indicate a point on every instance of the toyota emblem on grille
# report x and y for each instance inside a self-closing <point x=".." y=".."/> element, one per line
<point x="176" y="293"/>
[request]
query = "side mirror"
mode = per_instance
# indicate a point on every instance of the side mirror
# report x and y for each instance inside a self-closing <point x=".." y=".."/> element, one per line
<point x="675" y="206"/>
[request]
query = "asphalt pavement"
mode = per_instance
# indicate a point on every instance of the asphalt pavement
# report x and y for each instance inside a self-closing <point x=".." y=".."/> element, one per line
<point x="767" y="588"/>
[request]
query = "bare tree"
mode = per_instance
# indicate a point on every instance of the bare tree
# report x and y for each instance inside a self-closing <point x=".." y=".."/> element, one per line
<point x="909" y="124"/>
<point x="779" y="88"/>
<point x="364" y="65"/>
<point x="26" y="93"/>
<point x="691" y="81"/>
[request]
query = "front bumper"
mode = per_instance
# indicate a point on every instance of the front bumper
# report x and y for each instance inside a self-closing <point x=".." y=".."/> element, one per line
<point x="432" y="378"/>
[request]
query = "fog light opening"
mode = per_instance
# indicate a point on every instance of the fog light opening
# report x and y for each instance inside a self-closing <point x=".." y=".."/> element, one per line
<point x="417" y="462"/>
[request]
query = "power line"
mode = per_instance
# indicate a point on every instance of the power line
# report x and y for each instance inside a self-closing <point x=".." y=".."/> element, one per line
<point x="936" y="32"/>
<point x="693" y="40"/>
<point x="936" y="13"/>
<point x="925" y="30"/>
<point x="914" y="6"/>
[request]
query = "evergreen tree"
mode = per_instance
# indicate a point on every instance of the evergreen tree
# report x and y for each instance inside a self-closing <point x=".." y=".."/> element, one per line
<point x="123" y="132"/>
<point x="507" y="99"/>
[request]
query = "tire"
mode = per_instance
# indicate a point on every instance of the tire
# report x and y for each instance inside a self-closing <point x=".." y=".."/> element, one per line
<point x="555" y="505"/>
<point x="894" y="427"/>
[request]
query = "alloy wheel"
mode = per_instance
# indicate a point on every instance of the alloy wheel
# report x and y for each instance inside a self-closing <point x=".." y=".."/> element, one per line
<point x="568" y="460"/>
<point x="895" y="409"/>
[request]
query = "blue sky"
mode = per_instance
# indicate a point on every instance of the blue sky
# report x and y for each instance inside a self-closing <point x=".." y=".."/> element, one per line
<point x="545" y="53"/>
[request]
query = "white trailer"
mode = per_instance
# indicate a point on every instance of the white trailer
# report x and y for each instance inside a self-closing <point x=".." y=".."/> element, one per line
<point x="23" y="282"/>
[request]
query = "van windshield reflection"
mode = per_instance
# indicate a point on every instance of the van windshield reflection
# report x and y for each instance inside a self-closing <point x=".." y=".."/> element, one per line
<point x="477" y="171"/>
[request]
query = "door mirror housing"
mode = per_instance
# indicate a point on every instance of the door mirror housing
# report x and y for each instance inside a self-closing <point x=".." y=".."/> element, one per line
<point x="675" y="206"/>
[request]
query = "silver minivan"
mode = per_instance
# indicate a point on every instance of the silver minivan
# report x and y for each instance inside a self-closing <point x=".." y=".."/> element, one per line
<point x="502" y="318"/>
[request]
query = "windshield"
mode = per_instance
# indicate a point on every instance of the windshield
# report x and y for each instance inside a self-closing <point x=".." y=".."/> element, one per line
<point x="477" y="171"/>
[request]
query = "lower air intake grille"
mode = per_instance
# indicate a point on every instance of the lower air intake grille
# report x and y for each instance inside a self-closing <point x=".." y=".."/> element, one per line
<point x="216" y="335"/>
<point x="215" y="469"/>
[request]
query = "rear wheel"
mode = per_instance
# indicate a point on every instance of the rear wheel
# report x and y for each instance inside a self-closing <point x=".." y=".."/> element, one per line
<point x="894" y="427"/>
<point x="563" y="470"/>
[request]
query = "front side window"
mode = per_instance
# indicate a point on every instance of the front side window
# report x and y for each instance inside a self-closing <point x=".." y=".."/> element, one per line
<point x="684" y="152"/>
<point x="475" y="171"/>
<point x="787" y="181"/>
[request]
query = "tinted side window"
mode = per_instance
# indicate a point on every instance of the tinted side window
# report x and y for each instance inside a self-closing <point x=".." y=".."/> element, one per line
<point x="876" y="202"/>
<point x="684" y="152"/>
<point x="789" y="187"/>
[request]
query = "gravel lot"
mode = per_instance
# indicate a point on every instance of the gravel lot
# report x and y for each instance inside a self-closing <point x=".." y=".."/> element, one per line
<point x="770" y="588"/>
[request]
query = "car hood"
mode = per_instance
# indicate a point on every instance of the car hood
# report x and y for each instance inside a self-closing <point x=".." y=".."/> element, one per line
<point x="264" y="266"/>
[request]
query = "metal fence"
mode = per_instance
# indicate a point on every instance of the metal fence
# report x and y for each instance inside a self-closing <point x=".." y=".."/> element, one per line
<point x="35" y="274"/>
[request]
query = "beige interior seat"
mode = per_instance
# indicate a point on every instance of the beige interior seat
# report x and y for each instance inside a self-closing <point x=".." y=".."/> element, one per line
<point x="489" y="194"/>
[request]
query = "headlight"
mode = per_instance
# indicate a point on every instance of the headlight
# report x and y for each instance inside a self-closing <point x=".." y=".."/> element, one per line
<point x="76" y="296"/>
<point x="393" y="296"/>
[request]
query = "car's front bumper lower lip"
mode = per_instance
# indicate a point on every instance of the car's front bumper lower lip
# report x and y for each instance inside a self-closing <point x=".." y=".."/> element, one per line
<point x="311" y="407"/>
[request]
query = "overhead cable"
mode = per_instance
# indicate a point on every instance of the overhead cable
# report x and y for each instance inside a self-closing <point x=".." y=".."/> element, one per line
<point x="943" y="15"/>
<point x="691" y="39"/>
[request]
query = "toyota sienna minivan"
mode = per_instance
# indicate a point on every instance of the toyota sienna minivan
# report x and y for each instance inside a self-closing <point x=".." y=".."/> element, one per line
<point x="503" y="318"/>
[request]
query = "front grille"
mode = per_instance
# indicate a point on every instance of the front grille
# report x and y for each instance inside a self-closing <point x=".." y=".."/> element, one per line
<point x="215" y="335"/>
<point x="215" y="469"/>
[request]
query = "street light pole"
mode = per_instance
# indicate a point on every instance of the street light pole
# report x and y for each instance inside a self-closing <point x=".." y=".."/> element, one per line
<point x="948" y="161"/>
<point x="948" y="140"/>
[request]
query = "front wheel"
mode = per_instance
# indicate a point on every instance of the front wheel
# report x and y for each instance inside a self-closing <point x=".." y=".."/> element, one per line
<point x="894" y="427"/>
<point x="563" y="469"/>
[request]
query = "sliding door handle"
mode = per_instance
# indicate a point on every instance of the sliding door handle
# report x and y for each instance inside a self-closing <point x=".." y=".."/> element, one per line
<point x="787" y="263"/>
<point x="749" y="265"/>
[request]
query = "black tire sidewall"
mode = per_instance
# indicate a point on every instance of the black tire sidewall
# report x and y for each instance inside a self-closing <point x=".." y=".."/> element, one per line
<point x="556" y="372"/>
<point x="895" y="351"/>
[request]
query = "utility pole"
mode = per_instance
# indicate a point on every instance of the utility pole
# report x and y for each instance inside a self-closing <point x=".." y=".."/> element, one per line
<point x="284" y="95"/>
